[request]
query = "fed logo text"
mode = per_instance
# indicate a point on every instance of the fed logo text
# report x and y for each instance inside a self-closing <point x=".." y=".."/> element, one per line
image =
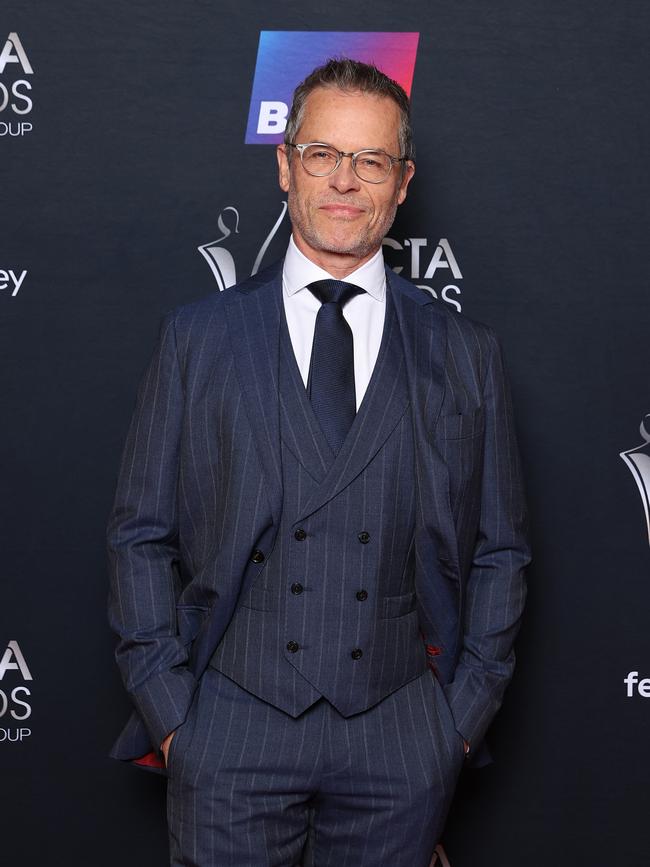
<point x="636" y="686"/>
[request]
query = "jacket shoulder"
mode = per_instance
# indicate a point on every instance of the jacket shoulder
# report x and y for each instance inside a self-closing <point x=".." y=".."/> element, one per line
<point x="460" y="327"/>
<point x="470" y="345"/>
<point x="464" y="328"/>
<point x="209" y="311"/>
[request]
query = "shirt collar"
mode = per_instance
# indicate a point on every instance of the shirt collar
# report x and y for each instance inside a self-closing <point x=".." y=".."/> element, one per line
<point x="299" y="271"/>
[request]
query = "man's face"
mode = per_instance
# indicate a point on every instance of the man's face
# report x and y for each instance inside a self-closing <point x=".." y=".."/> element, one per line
<point x="340" y="217"/>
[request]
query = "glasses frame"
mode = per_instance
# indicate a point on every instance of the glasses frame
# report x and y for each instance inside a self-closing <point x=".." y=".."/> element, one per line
<point x="353" y="157"/>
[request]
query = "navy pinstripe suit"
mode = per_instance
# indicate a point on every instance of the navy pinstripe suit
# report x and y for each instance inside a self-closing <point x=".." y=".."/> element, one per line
<point x="194" y="535"/>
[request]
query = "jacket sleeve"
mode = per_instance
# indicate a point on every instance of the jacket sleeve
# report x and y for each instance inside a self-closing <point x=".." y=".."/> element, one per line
<point x="495" y="590"/>
<point x="143" y="551"/>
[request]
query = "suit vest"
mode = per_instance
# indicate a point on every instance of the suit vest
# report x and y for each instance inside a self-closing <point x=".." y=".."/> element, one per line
<point x="333" y="612"/>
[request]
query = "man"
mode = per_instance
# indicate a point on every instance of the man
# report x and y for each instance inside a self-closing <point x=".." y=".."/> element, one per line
<point x="317" y="544"/>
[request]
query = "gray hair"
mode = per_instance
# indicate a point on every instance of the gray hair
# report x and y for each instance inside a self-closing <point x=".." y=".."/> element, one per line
<point x="352" y="75"/>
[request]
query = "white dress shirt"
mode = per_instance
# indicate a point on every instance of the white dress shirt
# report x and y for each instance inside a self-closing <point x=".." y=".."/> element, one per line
<point x="364" y="313"/>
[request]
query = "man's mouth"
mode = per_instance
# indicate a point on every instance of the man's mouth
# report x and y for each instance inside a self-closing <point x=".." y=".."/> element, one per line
<point x="342" y="210"/>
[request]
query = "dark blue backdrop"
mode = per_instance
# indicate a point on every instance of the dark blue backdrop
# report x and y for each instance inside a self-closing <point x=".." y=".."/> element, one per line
<point x="532" y="130"/>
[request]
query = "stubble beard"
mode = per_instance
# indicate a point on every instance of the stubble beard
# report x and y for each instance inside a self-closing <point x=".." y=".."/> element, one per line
<point x="359" y="246"/>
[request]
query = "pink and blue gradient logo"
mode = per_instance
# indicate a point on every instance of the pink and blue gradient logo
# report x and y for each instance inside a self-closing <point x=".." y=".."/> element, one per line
<point x="285" y="57"/>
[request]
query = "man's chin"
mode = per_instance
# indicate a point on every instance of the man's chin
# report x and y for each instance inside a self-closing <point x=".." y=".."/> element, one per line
<point x="340" y="240"/>
<point x="346" y="246"/>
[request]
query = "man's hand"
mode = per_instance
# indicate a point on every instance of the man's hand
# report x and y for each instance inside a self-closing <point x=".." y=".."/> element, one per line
<point x="164" y="747"/>
<point x="465" y="744"/>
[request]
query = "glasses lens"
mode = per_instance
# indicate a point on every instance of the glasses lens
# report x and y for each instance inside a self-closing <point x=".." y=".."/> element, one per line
<point x="319" y="160"/>
<point x="373" y="166"/>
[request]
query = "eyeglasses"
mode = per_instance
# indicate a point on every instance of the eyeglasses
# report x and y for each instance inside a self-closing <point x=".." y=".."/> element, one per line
<point x="371" y="165"/>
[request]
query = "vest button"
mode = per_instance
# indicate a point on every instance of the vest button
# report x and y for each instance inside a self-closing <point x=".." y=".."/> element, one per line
<point x="364" y="537"/>
<point x="362" y="595"/>
<point x="300" y="535"/>
<point x="292" y="646"/>
<point x="296" y="588"/>
<point x="357" y="653"/>
<point x="258" y="556"/>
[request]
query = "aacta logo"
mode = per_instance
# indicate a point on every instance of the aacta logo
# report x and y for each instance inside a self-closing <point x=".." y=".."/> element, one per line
<point x="420" y="260"/>
<point x="13" y="94"/>
<point x="13" y="706"/>
<point x="638" y="460"/>
<point x="13" y="52"/>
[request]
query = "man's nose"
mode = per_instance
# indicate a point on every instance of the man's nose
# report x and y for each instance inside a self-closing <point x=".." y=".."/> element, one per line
<point x="344" y="178"/>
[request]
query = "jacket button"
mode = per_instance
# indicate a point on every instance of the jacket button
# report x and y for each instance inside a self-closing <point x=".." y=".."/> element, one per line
<point x="364" y="537"/>
<point x="300" y="535"/>
<point x="296" y="588"/>
<point x="362" y="595"/>
<point x="357" y="653"/>
<point x="258" y="556"/>
<point x="292" y="646"/>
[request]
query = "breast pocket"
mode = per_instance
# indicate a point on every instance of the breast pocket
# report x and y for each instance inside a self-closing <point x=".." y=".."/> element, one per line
<point x="461" y="425"/>
<point x="397" y="606"/>
<point x="459" y="440"/>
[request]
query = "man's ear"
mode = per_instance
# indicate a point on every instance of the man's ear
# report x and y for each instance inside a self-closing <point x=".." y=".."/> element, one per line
<point x="409" y="171"/>
<point x="284" y="172"/>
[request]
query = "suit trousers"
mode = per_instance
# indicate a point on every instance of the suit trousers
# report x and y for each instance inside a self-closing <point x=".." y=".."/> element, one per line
<point x="247" y="782"/>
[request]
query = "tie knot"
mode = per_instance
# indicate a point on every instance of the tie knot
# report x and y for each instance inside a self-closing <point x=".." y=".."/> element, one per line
<point x="334" y="291"/>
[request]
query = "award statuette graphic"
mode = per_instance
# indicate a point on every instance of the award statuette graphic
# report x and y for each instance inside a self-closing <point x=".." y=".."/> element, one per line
<point x="638" y="460"/>
<point x="220" y="259"/>
<point x="219" y="255"/>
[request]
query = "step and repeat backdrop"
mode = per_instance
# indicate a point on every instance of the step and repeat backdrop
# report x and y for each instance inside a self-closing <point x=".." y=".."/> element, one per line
<point x="137" y="172"/>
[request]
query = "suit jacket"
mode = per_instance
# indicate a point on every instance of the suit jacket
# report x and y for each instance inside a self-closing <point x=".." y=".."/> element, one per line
<point x="199" y="498"/>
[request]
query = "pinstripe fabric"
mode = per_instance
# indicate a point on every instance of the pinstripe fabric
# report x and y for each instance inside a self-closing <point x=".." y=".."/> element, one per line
<point x="326" y="618"/>
<point x="193" y="501"/>
<point x="471" y="543"/>
<point x="243" y="774"/>
<point x="200" y="489"/>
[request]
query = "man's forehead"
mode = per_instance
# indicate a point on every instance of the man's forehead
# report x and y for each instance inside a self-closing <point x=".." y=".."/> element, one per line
<point x="325" y="95"/>
<point x="325" y="103"/>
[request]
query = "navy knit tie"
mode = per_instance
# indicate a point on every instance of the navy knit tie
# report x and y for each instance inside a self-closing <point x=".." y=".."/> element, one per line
<point x="331" y="372"/>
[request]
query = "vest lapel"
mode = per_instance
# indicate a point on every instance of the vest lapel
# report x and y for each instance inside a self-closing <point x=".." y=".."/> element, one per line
<point x="383" y="405"/>
<point x="299" y="427"/>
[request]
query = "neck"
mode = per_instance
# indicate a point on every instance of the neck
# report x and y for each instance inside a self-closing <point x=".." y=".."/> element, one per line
<point x="339" y="265"/>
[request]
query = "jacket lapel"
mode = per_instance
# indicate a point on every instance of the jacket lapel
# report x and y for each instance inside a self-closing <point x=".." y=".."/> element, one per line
<point x="424" y="334"/>
<point x="253" y="312"/>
